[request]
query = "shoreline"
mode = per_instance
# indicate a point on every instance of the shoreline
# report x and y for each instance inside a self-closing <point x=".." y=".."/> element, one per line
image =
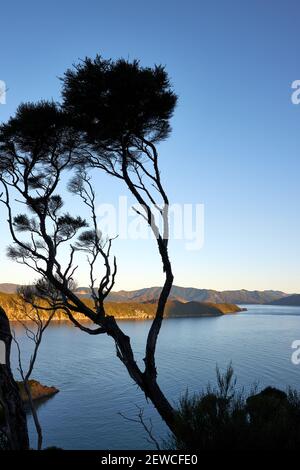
<point x="149" y="318"/>
<point x="124" y="310"/>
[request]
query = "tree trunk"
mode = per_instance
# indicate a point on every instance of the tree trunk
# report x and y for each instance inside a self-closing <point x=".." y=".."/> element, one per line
<point x="15" y="417"/>
<point x="160" y="402"/>
<point x="146" y="381"/>
<point x="34" y="416"/>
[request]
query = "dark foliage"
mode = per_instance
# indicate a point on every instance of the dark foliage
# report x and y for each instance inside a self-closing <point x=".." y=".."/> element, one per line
<point x="111" y="101"/>
<point x="224" y="418"/>
<point x="39" y="128"/>
<point x="4" y="444"/>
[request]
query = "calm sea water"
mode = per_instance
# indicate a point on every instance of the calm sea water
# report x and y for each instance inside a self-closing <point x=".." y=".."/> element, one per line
<point x="94" y="387"/>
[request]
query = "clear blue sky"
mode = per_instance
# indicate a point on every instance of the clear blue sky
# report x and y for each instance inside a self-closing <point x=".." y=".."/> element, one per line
<point x="236" y="135"/>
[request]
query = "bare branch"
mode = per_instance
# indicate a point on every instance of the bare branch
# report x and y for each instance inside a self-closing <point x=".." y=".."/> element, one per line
<point x="147" y="427"/>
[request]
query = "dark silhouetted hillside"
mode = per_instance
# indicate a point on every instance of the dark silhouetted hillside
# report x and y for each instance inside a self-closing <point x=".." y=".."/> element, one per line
<point x="290" y="300"/>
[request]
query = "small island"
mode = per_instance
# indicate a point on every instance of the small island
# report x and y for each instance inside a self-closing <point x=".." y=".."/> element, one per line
<point x="38" y="391"/>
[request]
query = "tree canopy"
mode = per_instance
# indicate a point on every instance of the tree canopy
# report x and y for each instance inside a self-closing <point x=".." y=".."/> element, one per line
<point x="112" y="115"/>
<point x="112" y="101"/>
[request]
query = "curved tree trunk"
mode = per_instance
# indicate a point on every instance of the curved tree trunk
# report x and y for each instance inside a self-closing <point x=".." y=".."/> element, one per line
<point x="146" y="381"/>
<point x="34" y="416"/>
<point x="160" y="402"/>
<point x="15" y="417"/>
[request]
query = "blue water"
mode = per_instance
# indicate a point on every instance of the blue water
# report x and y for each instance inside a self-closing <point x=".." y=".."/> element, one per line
<point x="94" y="386"/>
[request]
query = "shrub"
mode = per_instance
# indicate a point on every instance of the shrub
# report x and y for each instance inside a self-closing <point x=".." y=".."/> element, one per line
<point x="224" y="418"/>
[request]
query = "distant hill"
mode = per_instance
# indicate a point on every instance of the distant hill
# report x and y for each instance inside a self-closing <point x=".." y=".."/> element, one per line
<point x="130" y="310"/>
<point x="174" y="308"/>
<point x="182" y="294"/>
<point x="290" y="300"/>
<point x="8" y="288"/>
<point x="188" y="294"/>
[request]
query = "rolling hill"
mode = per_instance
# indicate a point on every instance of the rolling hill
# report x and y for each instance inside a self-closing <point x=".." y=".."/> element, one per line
<point x="127" y="310"/>
<point x="182" y="294"/>
<point x="8" y="288"/>
<point x="188" y="294"/>
<point x="290" y="300"/>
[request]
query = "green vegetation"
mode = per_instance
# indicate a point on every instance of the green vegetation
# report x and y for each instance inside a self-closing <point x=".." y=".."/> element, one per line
<point x="224" y="418"/>
<point x="16" y="309"/>
<point x="183" y="294"/>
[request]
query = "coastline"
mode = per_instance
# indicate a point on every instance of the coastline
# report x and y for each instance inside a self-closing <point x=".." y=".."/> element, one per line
<point x="18" y="310"/>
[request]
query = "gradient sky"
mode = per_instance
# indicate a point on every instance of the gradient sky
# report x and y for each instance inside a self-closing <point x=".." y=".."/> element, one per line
<point x="236" y="134"/>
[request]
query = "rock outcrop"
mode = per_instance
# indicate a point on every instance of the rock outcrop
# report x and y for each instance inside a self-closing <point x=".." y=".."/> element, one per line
<point x="38" y="390"/>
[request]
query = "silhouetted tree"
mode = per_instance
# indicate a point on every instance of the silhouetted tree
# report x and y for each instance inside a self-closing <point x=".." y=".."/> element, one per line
<point x="35" y="327"/>
<point x="122" y="110"/>
<point x="10" y="400"/>
<point x="113" y="116"/>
